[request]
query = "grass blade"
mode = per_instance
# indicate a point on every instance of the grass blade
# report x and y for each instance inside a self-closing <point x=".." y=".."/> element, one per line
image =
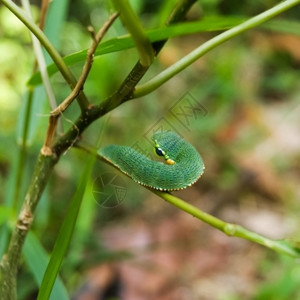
<point x="208" y="24"/>
<point x="5" y="213"/>
<point x="154" y="35"/>
<point x="284" y="26"/>
<point x="55" y="18"/>
<point x="135" y="28"/>
<point x="37" y="259"/>
<point x="64" y="236"/>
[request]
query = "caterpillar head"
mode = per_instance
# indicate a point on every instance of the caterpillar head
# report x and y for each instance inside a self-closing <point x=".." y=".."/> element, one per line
<point x="164" y="145"/>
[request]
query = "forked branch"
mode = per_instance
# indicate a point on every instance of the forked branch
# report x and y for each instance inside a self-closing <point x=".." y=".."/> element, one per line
<point x="87" y="66"/>
<point x="55" y="114"/>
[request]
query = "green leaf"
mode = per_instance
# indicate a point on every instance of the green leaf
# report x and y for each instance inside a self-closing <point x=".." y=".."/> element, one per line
<point x="290" y="27"/>
<point x="135" y="28"/>
<point x="208" y="24"/>
<point x="55" y="18"/>
<point x="154" y="35"/>
<point x="54" y="21"/>
<point x="29" y="116"/>
<point x="64" y="235"/>
<point x="37" y="259"/>
<point x="4" y="214"/>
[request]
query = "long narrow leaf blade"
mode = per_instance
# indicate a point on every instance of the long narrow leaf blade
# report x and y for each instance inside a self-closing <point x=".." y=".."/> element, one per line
<point x="37" y="259"/>
<point x="5" y="213"/>
<point x="65" y="234"/>
<point x="154" y="35"/>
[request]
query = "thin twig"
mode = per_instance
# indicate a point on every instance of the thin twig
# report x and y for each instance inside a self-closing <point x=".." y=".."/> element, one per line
<point x="44" y="10"/>
<point x="86" y="68"/>
<point x="42" y="63"/>
<point x="56" y="57"/>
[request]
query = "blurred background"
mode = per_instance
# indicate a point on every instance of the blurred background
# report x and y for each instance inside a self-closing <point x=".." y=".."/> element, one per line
<point x="238" y="105"/>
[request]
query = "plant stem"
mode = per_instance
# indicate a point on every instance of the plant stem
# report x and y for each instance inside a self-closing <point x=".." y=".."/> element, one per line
<point x="42" y="65"/>
<point x="55" y="114"/>
<point x="228" y="228"/>
<point x="57" y="59"/>
<point x="164" y="76"/>
<point x="10" y="261"/>
<point x="133" y="25"/>
<point x="22" y="151"/>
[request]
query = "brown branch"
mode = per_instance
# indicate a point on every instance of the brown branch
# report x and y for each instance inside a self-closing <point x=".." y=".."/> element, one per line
<point x="10" y="261"/>
<point x="44" y="10"/>
<point x="46" y="149"/>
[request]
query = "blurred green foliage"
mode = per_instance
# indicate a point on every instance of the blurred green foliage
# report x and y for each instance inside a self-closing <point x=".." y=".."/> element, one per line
<point x="237" y="85"/>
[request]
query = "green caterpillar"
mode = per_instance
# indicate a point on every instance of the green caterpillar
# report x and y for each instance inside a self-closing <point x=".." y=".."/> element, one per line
<point x="183" y="164"/>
